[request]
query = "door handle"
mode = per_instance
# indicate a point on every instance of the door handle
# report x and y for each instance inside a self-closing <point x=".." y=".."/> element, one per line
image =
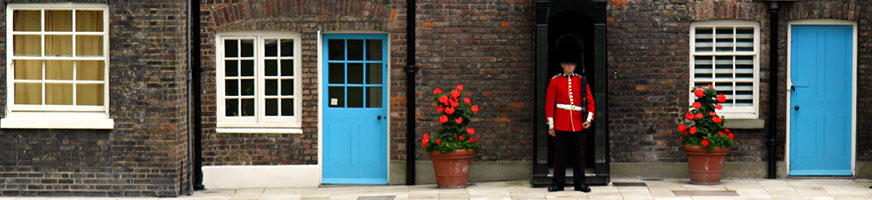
<point x="792" y="88"/>
<point x="796" y="107"/>
<point x="379" y="117"/>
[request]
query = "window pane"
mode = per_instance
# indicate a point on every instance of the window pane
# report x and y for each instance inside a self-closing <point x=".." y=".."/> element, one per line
<point x="26" y="20"/>
<point x="231" y="87"/>
<point x="90" y="70"/>
<point x="247" y="68"/>
<point x="59" y="45"/>
<point x="373" y="50"/>
<point x="337" y="49"/>
<point x="271" y="48"/>
<point x="337" y="96"/>
<point x="231" y="48"/>
<point x="58" y="20"/>
<point x="287" y="87"/>
<point x="248" y="87"/>
<point x="59" y="69"/>
<point x="87" y="20"/>
<point x="28" y="69"/>
<point x="355" y="97"/>
<point x="355" y="73"/>
<point x="27" y="45"/>
<point x="247" y="48"/>
<point x="231" y="107"/>
<point x="272" y="87"/>
<point x="271" y="67"/>
<point x="287" y="107"/>
<point x="355" y="49"/>
<point x="89" y="94"/>
<point x="337" y="73"/>
<point x="373" y="97"/>
<point x="28" y="93"/>
<point x="374" y="73"/>
<point x="287" y="48"/>
<point x="272" y="107"/>
<point x="231" y="68"/>
<point x="58" y="94"/>
<point x="247" y="107"/>
<point x="287" y="67"/>
<point x="88" y="45"/>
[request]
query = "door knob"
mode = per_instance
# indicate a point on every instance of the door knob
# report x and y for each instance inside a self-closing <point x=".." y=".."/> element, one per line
<point x="379" y="117"/>
<point x="796" y="107"/>
<point x="792" y="88"/>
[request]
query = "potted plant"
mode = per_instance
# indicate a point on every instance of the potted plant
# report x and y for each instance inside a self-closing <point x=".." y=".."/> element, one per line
<point x="452" y="148"/>
<point x="705" y="140"/>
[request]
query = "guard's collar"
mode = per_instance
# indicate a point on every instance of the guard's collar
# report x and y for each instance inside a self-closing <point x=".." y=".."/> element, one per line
<point x="568" y="75"/>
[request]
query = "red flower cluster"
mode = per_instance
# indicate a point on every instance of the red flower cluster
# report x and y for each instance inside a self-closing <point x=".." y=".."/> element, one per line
<point x="454" y="113"/>
<point x="701" y="125"/>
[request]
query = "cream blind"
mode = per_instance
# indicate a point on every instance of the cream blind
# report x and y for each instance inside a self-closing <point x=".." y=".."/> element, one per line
<point x="725" y="57"/>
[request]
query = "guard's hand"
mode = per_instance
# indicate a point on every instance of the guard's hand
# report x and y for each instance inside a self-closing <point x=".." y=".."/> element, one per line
<point x="586" y="125"/>
<point x="551" y="132"/>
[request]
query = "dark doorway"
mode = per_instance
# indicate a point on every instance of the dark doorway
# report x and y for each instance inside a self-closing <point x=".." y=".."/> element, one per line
<point x="586" y="19"/>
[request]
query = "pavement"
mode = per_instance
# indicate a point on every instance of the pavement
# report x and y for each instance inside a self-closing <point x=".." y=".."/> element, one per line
<point x="620" y="189"/>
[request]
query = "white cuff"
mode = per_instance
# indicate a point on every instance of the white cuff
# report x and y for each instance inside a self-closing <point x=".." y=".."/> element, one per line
<point x="590" y="117"/>
<point x="550" y="123"/>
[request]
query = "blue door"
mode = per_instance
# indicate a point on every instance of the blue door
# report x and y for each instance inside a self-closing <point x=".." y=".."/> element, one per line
<point x="355" y="109"/>
<point x="821" y="71"/>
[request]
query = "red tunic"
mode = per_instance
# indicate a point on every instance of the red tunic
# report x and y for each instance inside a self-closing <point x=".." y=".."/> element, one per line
<point x="560" y="89"/>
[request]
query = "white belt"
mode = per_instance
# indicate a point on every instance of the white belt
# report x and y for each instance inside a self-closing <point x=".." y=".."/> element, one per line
<point x="569" y="107"/>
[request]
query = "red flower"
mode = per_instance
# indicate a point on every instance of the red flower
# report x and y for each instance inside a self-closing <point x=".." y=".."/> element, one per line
<point x="459" y="120"/>
<point x="717" y="119"/>
<point x="439" y="109"/>
<point x="709" y="86"/>
<point x="454" y="103"/>
<point x="476" y="139"/>
<point x="680" y="137"/>
<point x="424" y="141"/>
<point x="459" y="87"/>
<point x="438" y="141"/>
<point x="474" y="109"/>
<point x="460" y="137"/>
<point x="699" y="115"/>
<point x="471" y="140"/>
<point x="698" y="92"/>
<point x="426" y="135"/>
<point x="689" y="115"/>
<point x="705" y="143"/>
<point x="455" y="93"/>
<point x="712" y="113"/>
<point x="720" y="133"/>
<point x="443" y="99"/>
<point x="682" y="128"/>
<point x="722" y="98"/>
<point x="470" y="131"/>
<point x="443" y="119"/>
<point x="437" y="91"/>
<point x="449" y="111"/>
<point x="730" y="136"/>
<point x="696" y="105"/>
<point x="719" y="106"/>
<point x="693" y="130"/>
<point x="466" y="100"/>
<point x="728" y="130"/>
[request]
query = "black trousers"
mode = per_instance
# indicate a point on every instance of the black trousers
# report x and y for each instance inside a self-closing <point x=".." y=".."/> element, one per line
<point x="570" y="148"/>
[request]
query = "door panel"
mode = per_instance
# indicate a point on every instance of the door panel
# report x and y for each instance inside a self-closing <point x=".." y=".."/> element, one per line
<point x="820" y="110"/>
<point x="355" y="123"/>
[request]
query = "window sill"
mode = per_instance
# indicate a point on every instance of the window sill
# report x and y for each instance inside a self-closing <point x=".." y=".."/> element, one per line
<point x="744" y="123"/>
<point x="259" y="130"/>
<point x="57" y="120"/>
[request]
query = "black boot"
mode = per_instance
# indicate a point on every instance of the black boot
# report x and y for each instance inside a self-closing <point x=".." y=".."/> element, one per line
<point x="582" y="188"/>
<point x="554" y="188"/>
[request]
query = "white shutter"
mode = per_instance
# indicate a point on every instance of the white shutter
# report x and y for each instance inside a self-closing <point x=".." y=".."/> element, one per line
<point x="724" y="54"/>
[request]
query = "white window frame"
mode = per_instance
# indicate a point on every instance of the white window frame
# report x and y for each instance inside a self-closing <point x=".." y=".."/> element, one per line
<point x="56" y="116"/>
<point x="259" y="123"/>
<point x="751" y="112"/>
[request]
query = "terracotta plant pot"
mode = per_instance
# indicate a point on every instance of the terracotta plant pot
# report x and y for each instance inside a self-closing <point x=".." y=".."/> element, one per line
<point x="705" y="166"/>
<point x="452" y="169"/>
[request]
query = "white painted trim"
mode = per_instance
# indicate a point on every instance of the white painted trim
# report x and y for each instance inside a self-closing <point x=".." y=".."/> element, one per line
<point x="260" y="176"/>
<point x="57" y="120"/>
<point x="258" y="123"/>
<point x="853" y="89"/>
<point x="260" y="130"/>
<point x="321" y="96"/>
<point x="730" y="112"/>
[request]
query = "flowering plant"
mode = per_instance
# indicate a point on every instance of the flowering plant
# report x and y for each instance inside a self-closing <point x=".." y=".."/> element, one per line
<point x="702" y="126"/>
<point x="455" y="114"/>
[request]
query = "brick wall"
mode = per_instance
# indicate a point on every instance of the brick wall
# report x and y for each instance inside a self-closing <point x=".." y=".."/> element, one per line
<point x="146" y="153"/>
<point x="649" y="49"/>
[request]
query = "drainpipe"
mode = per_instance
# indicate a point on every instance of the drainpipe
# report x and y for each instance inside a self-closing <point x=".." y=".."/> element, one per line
<point x="194" y="90"/>
<point x="410" y="69"/>
<point x="773" y="85"/>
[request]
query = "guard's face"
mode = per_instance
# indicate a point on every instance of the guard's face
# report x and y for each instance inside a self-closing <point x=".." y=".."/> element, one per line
<point x="568" y="68"/>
